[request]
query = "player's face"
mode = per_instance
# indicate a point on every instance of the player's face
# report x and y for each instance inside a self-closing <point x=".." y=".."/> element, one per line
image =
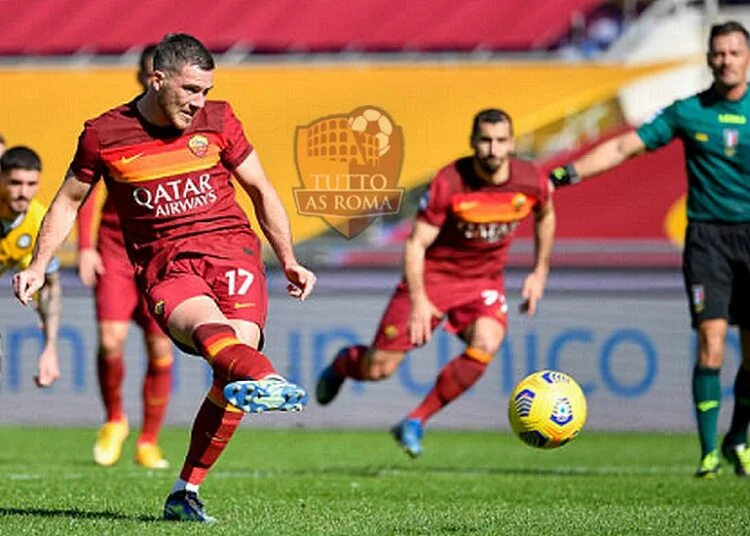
<point x="17" y="188"/>
<point x="492" y="145"/>
<point x="181" y="95"/>
<point x="729" y="58"/>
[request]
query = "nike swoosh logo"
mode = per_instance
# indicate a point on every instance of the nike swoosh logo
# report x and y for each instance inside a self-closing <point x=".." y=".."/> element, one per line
<point x="243" y="305"/>
<point x="128" y="159"/>
<point x="467" y="205"/>
<point x="707" y="405"/>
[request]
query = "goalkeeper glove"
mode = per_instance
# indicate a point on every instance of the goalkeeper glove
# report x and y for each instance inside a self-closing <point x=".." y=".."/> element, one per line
<point x="564" y="175"/>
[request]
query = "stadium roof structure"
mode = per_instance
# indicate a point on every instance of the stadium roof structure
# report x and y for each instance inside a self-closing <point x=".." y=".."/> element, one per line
<point x="65" y="27"/>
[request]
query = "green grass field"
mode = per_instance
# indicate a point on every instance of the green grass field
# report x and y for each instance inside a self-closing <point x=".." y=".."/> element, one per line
<point x="303" y="482"/>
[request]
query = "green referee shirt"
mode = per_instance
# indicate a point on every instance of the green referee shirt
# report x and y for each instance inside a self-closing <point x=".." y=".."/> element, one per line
<point x="716" y="135"/>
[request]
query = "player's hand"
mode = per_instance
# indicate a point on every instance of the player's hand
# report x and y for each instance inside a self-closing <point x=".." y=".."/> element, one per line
<point x="532" y="292"/>
<point x="420" y="323"/>
<point x="90" y="266"/>
<point x="27" y="283"/>
<point x="301" y="281"/>
<point x="49" y="367"/>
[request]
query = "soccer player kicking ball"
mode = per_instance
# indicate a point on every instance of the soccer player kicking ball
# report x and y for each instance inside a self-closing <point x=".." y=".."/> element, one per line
<point x="714" y="127"/>
<point x="167" y="158"/>
<point x="453" y="271"/>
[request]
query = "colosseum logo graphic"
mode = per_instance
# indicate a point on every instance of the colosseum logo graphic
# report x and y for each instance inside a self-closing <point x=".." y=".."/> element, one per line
<point x="349" y="166"/>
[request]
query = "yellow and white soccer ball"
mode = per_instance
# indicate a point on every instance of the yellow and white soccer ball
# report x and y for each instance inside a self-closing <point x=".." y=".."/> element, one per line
<point x="547" y="409"/>
<point x="375" y="123"/>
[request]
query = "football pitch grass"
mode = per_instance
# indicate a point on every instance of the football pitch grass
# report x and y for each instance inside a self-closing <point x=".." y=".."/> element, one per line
<point x="309" y="482"/>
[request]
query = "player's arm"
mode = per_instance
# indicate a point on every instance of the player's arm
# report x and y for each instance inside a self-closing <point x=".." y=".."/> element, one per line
<point x="274" y="222"/>
<point x="545" y="222"/>
<point x="422" y="309"/>
<point x="601" y="158"/>
<point x="49" y="308"/>
<point x="56" y="226"/>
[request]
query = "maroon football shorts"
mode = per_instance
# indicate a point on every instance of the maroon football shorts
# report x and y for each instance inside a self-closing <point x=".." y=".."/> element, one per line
<point x="233" y="276"/>
<point x="117" y="296"/>
<point x="462" y="302"/>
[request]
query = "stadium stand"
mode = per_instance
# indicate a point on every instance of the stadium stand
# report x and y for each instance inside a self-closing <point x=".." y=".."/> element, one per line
<point x="115" y="26"/>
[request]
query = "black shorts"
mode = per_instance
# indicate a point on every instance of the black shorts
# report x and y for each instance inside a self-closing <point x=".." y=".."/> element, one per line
<point x="716" y="267"/>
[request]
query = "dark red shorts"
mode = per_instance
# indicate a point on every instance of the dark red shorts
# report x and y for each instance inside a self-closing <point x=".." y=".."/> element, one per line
<point x="462" y="302"/>
<point x="225" y="267"/>
<point x="117" y="296"/>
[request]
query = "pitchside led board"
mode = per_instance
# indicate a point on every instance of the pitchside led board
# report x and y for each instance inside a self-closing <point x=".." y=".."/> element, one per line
<point x="631" y="353"/>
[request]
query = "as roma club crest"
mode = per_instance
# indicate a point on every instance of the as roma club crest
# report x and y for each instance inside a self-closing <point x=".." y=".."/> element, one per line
<point x="198" y="145"/>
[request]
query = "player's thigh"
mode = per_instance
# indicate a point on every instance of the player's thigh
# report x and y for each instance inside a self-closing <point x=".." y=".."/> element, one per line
<point x="116" y="293"/>
<point x="392" y="334"/>
<point x="239" y="287"/>
<point x="482" y="318"/>
<point x="146" y="320"/>
<point x="707" y="273"/>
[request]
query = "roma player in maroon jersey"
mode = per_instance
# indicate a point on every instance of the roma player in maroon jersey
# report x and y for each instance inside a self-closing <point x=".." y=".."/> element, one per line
<point x="104" y="265"/>
<point x="453" y="271"/>
<point x="167" y="158"/>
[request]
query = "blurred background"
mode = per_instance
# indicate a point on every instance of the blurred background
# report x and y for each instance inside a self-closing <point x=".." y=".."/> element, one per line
<point x="570" y="73"/>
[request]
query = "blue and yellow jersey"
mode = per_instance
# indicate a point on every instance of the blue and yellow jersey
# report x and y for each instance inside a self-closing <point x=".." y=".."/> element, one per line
<point x="17" y="239"/>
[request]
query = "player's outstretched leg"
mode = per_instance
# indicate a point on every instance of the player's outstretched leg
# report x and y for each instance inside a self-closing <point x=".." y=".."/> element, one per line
<point x="251" y="382"/>
<point x="408" y="433"/>
<point x="272" y="393"/>
<point x="348" y="363"/>
<point x="185" y="505"/>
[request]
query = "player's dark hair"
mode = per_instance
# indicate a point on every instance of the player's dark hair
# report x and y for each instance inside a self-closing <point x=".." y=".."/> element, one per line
<point x="20" y="157"/>
<point x="492" y="116"/>
<point x="144" y="69"/>
<point x="725" y="28"/>
<point x="177" y="50"/>
<point x="146" y="54"/>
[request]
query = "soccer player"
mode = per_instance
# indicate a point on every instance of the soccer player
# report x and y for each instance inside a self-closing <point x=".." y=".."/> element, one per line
<point x="104" y="264"/>
<point x="167" y="158"/>
<point x="714" y="126"/>
<point x="453" y="271"/>
<point x="20" y="218"/>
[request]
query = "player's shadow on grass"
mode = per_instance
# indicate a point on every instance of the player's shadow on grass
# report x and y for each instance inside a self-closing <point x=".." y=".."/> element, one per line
<point x="76" y="514"/>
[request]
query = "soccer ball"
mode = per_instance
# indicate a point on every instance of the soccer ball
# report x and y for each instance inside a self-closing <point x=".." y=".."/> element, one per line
<point x="375" y="123"/>
<point x="547" y="409"/>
